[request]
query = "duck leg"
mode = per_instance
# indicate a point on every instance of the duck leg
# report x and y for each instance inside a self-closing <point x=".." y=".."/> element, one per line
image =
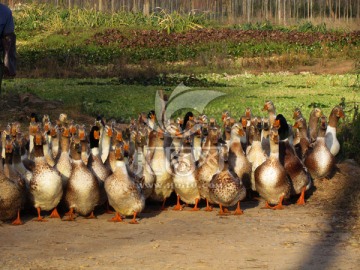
<point x="238" y="210"/>
<point x="223" y="210"/>
<point x="71" y="215"/>
<point x="196" y="208"/>
<point x="117" y="218"/>
<point x="301" y="200"/>
<point x="108" y="210"/>
<point x="54" y="214"/>
<point x="279" y="206"/>
<point x="178" y="206"/>
<point x="134" y="221"/>
<point x="208" y="207"/>
<point x="163" y="208"/>
<point x="17" y="221"/>
<point x="91" y="215"/>
<point x="40" y="218"/>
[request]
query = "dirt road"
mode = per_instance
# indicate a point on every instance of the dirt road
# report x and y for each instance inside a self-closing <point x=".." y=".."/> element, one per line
<point x="323" y="234"/>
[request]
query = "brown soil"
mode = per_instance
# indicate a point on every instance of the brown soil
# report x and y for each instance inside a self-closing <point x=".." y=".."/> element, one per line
<point x="323" y="234"/>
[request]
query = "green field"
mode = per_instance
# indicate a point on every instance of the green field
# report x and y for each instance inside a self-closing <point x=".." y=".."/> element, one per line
<point x="115" y="100"/>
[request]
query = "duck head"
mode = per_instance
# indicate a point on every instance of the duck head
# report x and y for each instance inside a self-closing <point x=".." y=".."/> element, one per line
<point x="269" y="106"/>
<point x="75" y="147"/>
<point x="94" y="136"/>
<point x="300" y="123"/>
<point x="297" y="114"/>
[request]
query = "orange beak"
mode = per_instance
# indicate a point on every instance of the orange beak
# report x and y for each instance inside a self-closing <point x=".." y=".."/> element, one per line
<point x="97" y="135"/>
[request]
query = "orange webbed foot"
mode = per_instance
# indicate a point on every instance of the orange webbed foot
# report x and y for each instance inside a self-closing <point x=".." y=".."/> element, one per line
<point x="17" y="221"/>
<point x="178" y="206"/>
<point x="91" y="216"/>
<point x="208" y="207"/>
<point x="196" y="208"/>
<point x="301" y="200"/>
<point x="54" y="214"/>
<point x="223" y="211"/>
<point x="116" y="218"/>
<point x="70" y="215"/>
<point x="279" y="206"/>
<point x="238" y="210"/>
<point x="134" y="221"/>
<point x="40" y="218"/>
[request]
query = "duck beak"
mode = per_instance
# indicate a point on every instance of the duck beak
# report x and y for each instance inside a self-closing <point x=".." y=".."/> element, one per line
<point x="119" y="137"/>
<point x="96" y="135"/>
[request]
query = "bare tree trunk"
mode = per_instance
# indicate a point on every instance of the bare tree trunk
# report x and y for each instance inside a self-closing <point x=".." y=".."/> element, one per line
<point x="244" y="9"/>
<point x="146" y="9"/>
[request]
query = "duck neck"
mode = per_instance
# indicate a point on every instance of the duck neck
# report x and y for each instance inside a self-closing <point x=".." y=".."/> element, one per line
<point x="38" y="151"/>
<point x="95" y="151"/>
<point x="65" y="144"/>
<point x="274" y="150"/>
<point x="120" y="166"/>
<point x="333" y="120"/>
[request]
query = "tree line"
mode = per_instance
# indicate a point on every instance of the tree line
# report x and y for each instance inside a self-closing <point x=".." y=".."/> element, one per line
<point x="277" y="11"/>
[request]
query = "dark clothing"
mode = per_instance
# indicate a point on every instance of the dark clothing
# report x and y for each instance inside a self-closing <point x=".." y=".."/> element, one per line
<point x="6" y="23"/>
<point x="7" y="44"/>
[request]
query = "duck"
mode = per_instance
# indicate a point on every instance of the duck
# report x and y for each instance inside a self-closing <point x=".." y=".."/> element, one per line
<point x="296" y="171"/>
<point x="11" y="198"/>
<point x="296" y="115"/>
<point x="151" y="120"/>
<point x="18" y="154"/>
<point x="184" y="178"/>
<point x="141" y="165"/>
<point x="82" y="193"/>
<point x="100" y="123"/>
<point x="46" y="186"/>
<point x="161" y="167"/>
<point x="330" y="136"/>
<point x="227" y="124"/>
<point x="304" y="142"/>
<point x="318" y="159"/>
<point x="270" y="108"/>
<point x="124" y="194"/>
<point x="314" y="118"/>
<point x="284" y="129"/>
<point x="265" y="132"/>
<point x="95" y="164"/>
<point x="271" y="180"/>
<point x="63" y="164"/>
<point x="197" y="140"/>
<point x="256" y="154"/>
<point x="106" y="141"/>
<point x="34" y="126"/>
<point x="84" y="143"/>
<point x="226" y="189"/>
<point x="209" y="163"/>
<point x="237" y="161"/>
<point x="54" y="142"/>
<point x="117" y="137"/>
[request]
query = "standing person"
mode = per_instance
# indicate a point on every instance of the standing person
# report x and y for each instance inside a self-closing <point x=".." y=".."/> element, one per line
<point x="7" y="44"/>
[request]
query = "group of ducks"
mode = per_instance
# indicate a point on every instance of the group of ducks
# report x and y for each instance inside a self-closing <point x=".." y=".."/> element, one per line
<point x="197" y="158"/>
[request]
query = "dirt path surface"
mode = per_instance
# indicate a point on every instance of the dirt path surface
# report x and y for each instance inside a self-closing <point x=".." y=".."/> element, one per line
<point x="323" y="234"/>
